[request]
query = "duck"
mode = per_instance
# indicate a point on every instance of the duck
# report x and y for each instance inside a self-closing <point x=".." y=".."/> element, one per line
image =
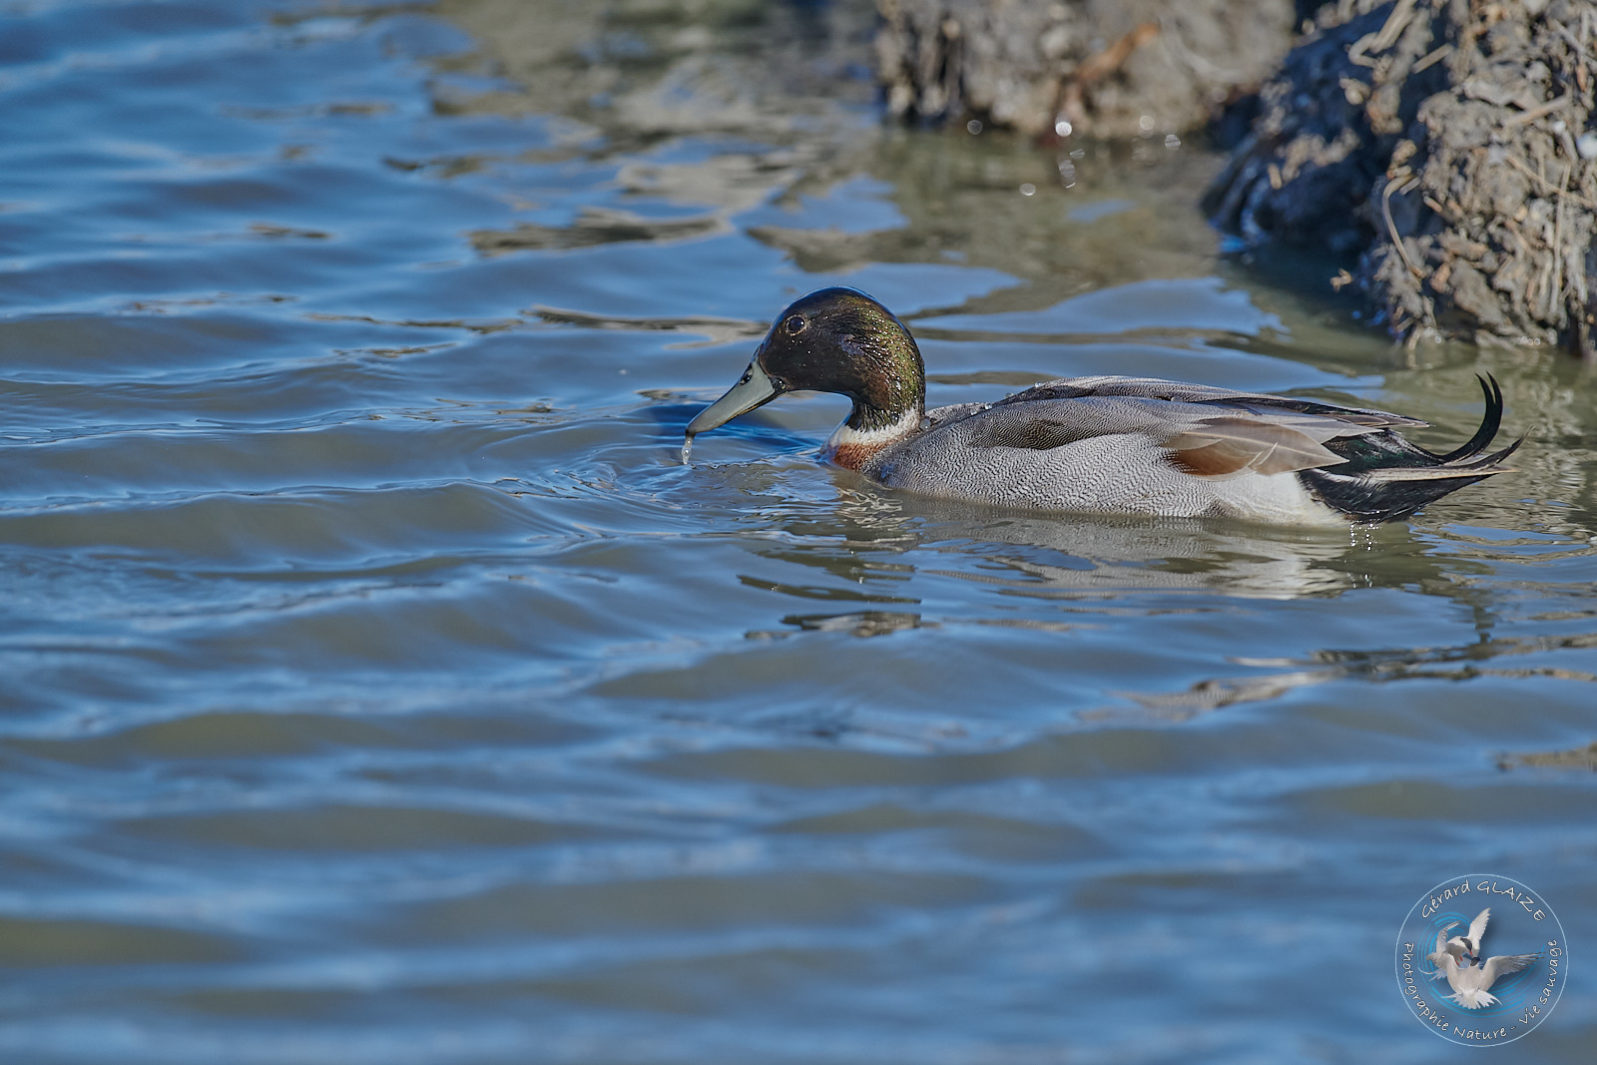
<point x="1100" y="444"/>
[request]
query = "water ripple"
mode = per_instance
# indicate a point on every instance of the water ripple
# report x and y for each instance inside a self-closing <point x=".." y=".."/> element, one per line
<point x="378" y="685"/>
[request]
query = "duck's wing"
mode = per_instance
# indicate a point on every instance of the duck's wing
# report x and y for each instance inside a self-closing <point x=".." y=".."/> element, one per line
<point x="1206" y="438"/>
<point x="1184" y="392"/>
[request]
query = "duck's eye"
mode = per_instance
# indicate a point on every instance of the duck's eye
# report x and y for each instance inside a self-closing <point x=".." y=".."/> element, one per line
<point x="795" y="324"/>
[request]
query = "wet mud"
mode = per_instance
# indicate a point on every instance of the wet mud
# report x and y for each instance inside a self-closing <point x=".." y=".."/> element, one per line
<point x="1111" y="68"/>
<point x="1447" y="148"/>
<point x="1443" y="150"/>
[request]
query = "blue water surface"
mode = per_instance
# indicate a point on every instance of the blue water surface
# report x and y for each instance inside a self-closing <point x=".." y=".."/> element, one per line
<point x="377" y="687"/>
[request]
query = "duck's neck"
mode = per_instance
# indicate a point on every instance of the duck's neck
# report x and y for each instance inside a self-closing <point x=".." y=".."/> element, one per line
<point x="888" y="411"/>
<point x="867" y="431"/>
<point x="887" y="383"/>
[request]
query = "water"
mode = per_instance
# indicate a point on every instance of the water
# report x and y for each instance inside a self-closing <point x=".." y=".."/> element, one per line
<point x="379" y="688"/>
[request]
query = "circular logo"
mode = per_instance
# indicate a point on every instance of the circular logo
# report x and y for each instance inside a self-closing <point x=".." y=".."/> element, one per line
<point x="1481" y="959"/>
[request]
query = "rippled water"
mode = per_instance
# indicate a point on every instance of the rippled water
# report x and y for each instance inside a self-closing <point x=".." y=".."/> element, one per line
<point x="378" y="688"/>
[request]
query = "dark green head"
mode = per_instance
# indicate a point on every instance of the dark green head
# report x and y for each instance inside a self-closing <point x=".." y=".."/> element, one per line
<point x="840" y="340"/>
<point x="834" y="340"/>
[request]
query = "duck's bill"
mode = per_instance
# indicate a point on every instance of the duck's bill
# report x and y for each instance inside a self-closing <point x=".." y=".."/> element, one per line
<point x="754" y="389"/>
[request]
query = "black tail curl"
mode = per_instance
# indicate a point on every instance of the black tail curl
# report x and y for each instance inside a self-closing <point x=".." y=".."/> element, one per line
<point x="1385" y="477"/>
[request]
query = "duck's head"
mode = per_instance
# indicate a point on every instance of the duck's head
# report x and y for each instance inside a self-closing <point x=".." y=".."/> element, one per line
<point x="833" y="340"/>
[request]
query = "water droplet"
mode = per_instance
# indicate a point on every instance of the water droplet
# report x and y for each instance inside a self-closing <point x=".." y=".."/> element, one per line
<point x="1028" y="189"/>
<point x="1145" y="123"/>
<point x="1172" y="141"/>
<point x="973" y="127"/>
<point x="1063" y="128"/>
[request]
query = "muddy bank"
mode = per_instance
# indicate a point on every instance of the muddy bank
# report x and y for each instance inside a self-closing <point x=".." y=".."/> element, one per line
<point x="1446" y="146"/>
<point x="1446" y="149"/>
<point x="1112" y="68"/>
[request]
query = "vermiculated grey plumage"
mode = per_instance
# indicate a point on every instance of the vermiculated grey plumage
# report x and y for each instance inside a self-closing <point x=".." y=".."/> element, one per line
<point x="1141" y="444"/>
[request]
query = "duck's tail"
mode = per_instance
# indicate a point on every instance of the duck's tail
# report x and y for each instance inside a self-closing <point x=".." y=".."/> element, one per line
<point x="1386" y="477"/>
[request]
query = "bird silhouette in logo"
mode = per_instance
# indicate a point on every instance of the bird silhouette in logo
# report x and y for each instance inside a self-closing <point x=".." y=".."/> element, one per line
<point x="1455" y="958"/>
<point x="1471" y="944"/>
